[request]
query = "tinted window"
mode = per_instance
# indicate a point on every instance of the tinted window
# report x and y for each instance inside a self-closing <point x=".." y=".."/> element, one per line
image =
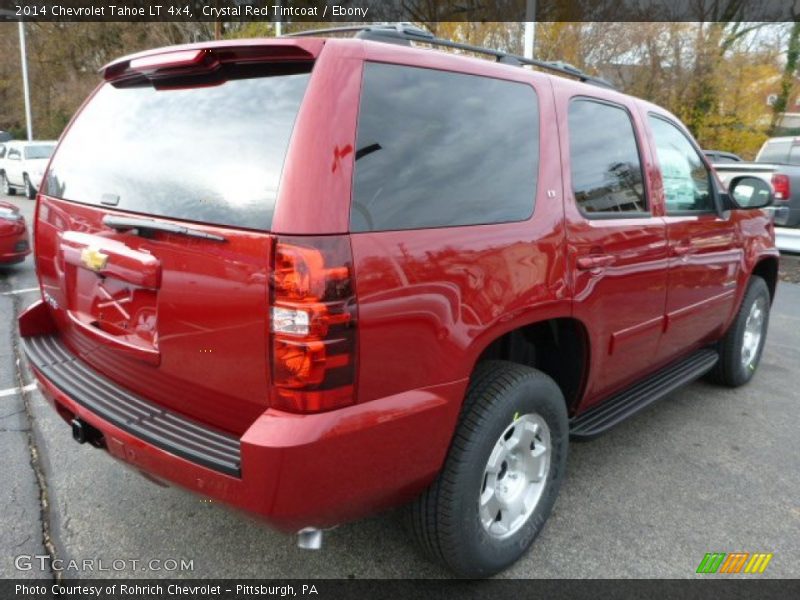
<point x="687" y="182"/>
<point x="437" y="149"/>
<point x="777" y="152"/>
<point x="604" y="159"/>
<point x="209" y="154"/>
<point x="2" y="151"/>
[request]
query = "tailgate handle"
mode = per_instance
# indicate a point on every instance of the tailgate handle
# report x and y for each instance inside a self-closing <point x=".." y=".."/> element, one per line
<point x="111" y="258"/>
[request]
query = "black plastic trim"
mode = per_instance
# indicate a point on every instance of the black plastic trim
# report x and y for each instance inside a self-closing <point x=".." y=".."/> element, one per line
<point x="611" y="412"/>
<point x="154" y="424"/>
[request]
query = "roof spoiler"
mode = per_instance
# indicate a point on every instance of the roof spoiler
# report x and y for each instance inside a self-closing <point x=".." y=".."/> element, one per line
<point x="198" y="58"/>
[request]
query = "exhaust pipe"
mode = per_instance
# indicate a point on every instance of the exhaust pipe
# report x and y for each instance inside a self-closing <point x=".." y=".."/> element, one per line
<point x="309" y="538"/>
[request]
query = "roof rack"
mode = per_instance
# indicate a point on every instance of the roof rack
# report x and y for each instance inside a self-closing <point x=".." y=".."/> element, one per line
<point x="405" y="33"/>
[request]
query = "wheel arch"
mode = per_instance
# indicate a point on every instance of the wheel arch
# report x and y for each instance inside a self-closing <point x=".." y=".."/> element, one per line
<point x="559" y="347"/>
<point x="766" y="267"/>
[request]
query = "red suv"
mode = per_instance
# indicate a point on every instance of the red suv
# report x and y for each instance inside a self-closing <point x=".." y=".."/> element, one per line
<point x="316" y="278"/>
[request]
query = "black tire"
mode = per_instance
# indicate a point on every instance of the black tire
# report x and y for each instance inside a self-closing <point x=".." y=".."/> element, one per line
<point x="445" y="519"/>
<point x="731" y="369"/>
<point x="6" y="186"/>
<point x="30" y="191"/>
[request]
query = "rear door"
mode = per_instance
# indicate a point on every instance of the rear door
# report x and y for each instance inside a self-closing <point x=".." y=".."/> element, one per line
<point x="153" y="232"/>
<point x="617" y="248"/>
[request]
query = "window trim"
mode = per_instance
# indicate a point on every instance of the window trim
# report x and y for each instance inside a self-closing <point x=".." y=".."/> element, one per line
<point x="712" y="186"/>
<point x="607" y="214"/>
<point x="538" y="173"/>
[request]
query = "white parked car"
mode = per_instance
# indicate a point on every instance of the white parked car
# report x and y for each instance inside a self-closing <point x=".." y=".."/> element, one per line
<point x="22" y="166"/>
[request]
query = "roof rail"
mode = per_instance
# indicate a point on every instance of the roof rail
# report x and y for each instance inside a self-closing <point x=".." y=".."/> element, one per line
<point x="405" y="33"/>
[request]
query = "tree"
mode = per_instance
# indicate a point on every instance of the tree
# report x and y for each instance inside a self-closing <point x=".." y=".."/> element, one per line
<point x="788" y="78"/>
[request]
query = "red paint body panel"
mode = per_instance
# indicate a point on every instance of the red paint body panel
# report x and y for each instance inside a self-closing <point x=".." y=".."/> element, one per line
<point x="309" y="470"/>
<point x="646" y="291"/>
<point x="209" y="309"/>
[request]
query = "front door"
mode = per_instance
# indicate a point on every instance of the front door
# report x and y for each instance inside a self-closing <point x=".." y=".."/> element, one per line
<point x="704" y="253"/>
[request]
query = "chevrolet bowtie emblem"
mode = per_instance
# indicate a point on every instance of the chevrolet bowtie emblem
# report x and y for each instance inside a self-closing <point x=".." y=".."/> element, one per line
<point x="94" y="259"/>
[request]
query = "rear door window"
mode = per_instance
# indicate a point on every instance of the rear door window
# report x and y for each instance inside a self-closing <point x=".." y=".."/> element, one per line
<point x="604" y="160"/>
<point x="208" y="154"/>
<point x="439" y="149"/>
<point x="794" y="155"/>
<point x="777" y="152"/>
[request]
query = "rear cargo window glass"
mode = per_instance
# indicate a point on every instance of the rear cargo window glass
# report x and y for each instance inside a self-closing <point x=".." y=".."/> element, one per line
<point x="207" y="154"/>
<point x="776" y="152"/>
<point x="437" y="149"/>
<point x="604" y="158"/>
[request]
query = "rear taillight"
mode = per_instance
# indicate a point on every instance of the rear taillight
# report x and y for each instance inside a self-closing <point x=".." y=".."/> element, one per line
<point x="312" y="323"/>
<point x="783" y="190"/>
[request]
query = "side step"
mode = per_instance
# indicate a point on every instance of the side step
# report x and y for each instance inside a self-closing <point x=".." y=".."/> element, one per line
<point x="616" y="409"/>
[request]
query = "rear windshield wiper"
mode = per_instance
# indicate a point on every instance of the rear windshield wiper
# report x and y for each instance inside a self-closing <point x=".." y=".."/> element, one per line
<point x="140" y="225"/>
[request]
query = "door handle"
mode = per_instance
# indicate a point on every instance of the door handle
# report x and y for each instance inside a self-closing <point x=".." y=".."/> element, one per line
<point x="595" y="261"/>
<point x="682" y="249"/>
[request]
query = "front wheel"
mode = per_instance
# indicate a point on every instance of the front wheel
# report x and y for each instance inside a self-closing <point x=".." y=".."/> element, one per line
<point x="502" y="474"/>
<point x="741" y="348"/>
<point x="30" y="191"/>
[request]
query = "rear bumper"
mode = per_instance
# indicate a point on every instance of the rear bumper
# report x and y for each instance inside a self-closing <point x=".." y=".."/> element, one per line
<point x="292" y="470"/>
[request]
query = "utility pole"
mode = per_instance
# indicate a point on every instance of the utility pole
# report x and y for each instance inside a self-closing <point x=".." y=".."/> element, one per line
<point x="25" y="88"/>
<point x="530" y="27"/>
<point x="278" y="28"/>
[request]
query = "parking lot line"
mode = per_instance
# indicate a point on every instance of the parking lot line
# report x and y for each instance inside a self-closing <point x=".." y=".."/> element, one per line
<point x="15" y="390"/>
<point x="15" y="292"/>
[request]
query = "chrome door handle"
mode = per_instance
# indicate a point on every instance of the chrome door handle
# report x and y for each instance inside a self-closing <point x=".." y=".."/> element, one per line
<point x="595" y="261"/>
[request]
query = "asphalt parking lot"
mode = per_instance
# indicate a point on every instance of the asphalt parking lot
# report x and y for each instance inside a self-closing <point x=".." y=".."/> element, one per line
<point x="706" y="470"/>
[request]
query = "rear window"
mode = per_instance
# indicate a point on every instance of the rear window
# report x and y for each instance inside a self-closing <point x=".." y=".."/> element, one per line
<point x="438" y="149"/>
<point x="208" y="154"/>
<point x="774" y="152"/>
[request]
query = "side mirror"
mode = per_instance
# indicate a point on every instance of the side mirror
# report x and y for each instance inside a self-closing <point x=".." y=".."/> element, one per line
<point x="750" y="192"/>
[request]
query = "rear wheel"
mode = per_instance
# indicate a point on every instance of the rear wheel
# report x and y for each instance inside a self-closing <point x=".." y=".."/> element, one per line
<point x="501" y="476"/>
<point x="30" y="191"/>
<point x="6" y="186"/>
<point x="741" y="348"/>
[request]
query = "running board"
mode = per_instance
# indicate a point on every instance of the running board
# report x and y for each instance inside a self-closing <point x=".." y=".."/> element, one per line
<point x="616" y="409"/>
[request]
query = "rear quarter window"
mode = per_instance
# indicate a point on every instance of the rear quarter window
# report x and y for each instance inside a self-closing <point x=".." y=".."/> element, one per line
<point x="437" y="149"/>
<point x="207" y="154"/>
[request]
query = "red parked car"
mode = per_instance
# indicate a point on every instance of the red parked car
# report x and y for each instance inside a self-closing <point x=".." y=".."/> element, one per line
<point x="316" y="278"/>
<point x="14" y="242"/>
